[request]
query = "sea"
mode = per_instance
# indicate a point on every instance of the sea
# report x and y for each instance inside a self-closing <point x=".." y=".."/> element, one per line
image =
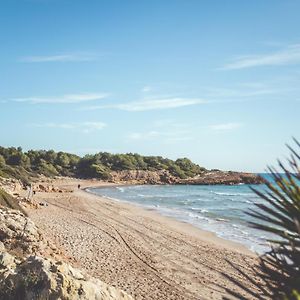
<point x="221" y="209"/>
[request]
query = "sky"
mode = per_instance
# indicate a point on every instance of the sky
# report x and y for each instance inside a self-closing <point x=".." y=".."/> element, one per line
<point x="215" y="81"/>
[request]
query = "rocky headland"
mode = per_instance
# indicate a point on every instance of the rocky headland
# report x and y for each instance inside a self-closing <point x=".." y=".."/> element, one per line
<point x="207" y="177"/>
<point x="129" y="168"/>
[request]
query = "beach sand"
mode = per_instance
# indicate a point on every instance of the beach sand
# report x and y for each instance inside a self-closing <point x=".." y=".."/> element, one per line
<point x="147" y="255"/>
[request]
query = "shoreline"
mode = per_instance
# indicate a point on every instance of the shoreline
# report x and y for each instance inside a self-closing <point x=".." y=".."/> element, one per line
<point x="148" y="255"/>
<point x="186" y="227"/>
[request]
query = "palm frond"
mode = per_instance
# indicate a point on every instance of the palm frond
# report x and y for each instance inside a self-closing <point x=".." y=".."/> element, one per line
<point x="279" y="213"/>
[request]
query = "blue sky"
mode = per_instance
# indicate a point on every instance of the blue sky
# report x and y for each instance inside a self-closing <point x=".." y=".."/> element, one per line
<point x="215" y="81"/>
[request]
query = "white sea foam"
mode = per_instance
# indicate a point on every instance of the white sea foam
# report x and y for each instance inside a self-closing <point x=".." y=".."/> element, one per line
<point x="232" y="194"/>
<point x="202" y="210"/>
<point x="215" y="208"/>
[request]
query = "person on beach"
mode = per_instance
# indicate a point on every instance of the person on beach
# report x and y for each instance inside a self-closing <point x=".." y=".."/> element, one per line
<point x="78" y="186"/>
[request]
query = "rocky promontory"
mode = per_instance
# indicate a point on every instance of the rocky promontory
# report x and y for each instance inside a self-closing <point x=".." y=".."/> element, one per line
<point x="221" y="177"/>
<point x="207" y="177"/>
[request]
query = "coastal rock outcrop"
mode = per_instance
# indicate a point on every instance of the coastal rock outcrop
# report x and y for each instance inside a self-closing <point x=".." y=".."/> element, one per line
<point x="27" y="272"/>
<point x="11" y="185"/>
<point x="144" y="177"/>
<point x="221" y="177"/>
<point x="41" y="278"/>
<point x="20" y="236"/>
<point x="207" y="177"/>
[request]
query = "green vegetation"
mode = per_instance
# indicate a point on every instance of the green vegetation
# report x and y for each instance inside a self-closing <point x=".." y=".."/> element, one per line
<point x="279" y="213"/>
<point x="26" y="165"/>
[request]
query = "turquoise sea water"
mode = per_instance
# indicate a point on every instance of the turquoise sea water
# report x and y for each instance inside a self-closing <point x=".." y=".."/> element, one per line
<point x="220" y="209"/>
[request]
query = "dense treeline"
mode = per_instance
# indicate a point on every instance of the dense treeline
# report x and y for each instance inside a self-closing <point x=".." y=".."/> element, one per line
<point x="23" y="165"/>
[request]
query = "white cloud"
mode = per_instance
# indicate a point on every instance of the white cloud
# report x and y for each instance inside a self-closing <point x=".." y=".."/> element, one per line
<point x="60" y="58"/>
<point x="244" y="92"/>
<point x="146" y="89"/>
<point x="166" y="136"/>
<point x="225" y="126"/>
<point x="144" y="135"/>
<point x="153" y="104"/>
<point x="289" y="55"/>
<point x="70" y="98"/>
<point x="85" y="127"/>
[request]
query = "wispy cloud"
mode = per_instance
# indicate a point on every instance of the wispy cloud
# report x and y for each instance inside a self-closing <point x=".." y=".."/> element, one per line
<point x="71" y="57"/>
<point x="152" y="104"/>
<point x="288" y="55"/>
<point x="241" y="92"/>
<point x="225" y="126"/>
<point x="85" y="127"/>
<point x="166" y="131"/>
<point x="143" y="135"/>
<point x="69" y="98"/>
<point x="146" y="89"/>
<point x="166" y="137"/>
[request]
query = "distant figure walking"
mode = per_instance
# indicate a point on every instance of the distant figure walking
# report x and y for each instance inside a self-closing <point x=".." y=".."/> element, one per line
<point x="78" y="186"/>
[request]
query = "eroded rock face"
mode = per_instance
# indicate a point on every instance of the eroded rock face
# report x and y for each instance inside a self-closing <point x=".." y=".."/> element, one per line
<point x="40" y="278"/>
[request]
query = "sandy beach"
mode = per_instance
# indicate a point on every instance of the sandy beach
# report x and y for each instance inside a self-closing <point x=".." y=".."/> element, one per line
<point x="147" y="255"/>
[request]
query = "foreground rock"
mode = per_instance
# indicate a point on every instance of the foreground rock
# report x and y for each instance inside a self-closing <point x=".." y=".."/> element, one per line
<point x="41" y="278"/>
<point x="20" y="236"/>
<point x="25" y="272"/>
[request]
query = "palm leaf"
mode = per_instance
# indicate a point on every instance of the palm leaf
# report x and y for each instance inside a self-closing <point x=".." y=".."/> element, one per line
<point x="279" y="214"/>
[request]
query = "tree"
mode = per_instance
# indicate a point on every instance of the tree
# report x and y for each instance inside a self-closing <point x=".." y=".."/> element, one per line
<point x="51" y="156"/>
<point x="190" y="169"/>
<point x="63" y="159"/>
